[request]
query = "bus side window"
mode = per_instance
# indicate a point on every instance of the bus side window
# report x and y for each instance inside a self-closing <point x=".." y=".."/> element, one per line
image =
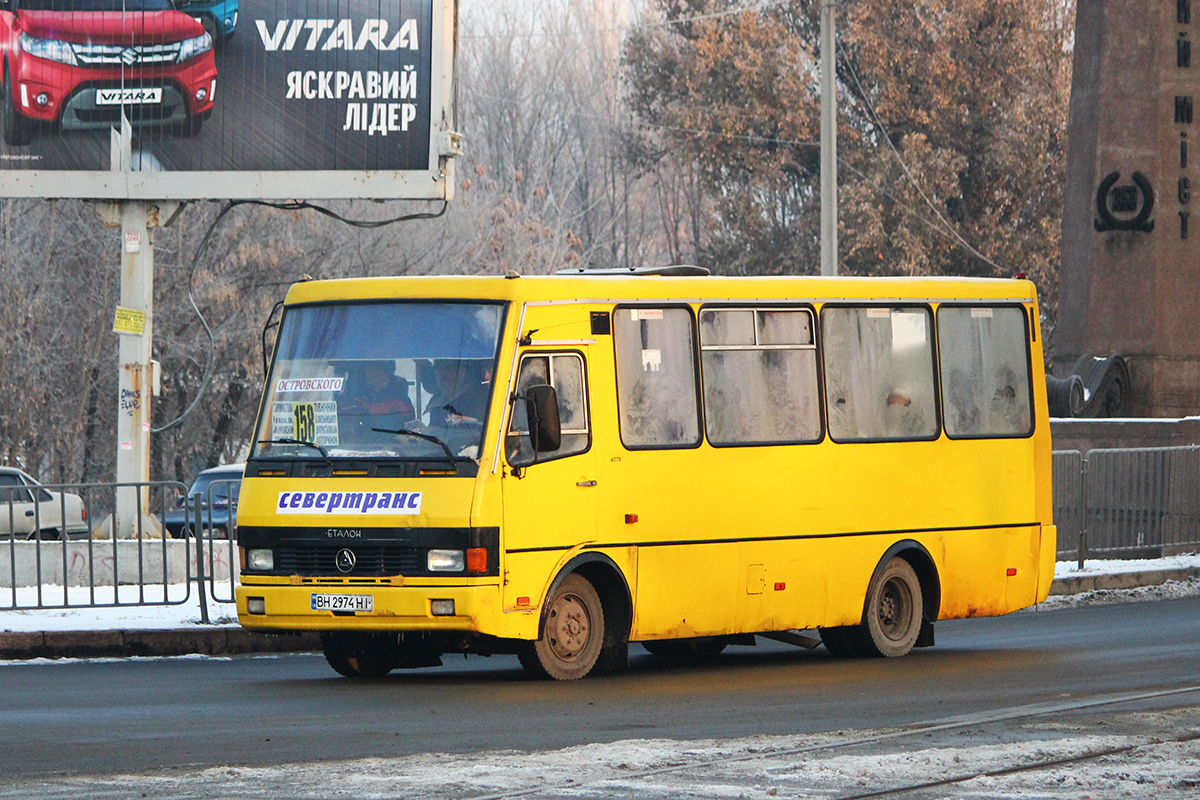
<point x="656" y="377"/>
<point x="879" y="382"/>
<point x="759" y="372"/>
<point x="985" y="371"/>
<point x="565" y="372"/>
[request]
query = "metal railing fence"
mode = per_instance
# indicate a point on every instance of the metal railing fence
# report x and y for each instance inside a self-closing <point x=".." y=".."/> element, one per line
<point x="1139" y="502"/>
<point x="62" y="553"/>
<point x="217" y="541"/>
<point x="1108" y="503"/>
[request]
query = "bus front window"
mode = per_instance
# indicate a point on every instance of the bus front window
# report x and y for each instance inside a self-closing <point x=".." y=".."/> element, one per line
<point x="380" y="380"/>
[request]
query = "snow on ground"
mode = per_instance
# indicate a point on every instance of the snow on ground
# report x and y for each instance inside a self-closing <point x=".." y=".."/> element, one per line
<point x="1146" y="755"/>
<point x="1164" y="591"/>
<point x="1097" y="566"/>
<point x="118" y="611"/>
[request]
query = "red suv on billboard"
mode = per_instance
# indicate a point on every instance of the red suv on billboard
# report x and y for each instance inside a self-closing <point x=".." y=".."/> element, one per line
<point x="80" y="63"/>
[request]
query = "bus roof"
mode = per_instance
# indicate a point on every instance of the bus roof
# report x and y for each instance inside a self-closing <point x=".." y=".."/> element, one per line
<point x="623" y="288"/>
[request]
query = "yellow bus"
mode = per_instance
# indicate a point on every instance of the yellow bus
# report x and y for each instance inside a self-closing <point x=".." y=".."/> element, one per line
<point x="557" y="466"/>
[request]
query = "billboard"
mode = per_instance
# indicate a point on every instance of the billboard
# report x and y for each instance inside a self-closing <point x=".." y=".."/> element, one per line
<point x="193" y="99"/>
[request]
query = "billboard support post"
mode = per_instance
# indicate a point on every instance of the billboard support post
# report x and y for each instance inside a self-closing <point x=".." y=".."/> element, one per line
<point x="135" y="324"/>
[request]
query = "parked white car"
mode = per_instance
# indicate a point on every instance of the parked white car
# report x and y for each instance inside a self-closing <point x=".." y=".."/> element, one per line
<point x="28" y="509"/>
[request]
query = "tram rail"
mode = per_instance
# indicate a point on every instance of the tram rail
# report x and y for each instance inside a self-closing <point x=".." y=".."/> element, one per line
<point x="1049" y="708"/>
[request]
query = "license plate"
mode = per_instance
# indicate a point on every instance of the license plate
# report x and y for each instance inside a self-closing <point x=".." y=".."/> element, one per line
<point x="343" y="602"/>
<point x="128" y="97"/>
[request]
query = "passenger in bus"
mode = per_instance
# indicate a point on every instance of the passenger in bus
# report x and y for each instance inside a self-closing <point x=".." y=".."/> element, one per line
<point x="462" y="388"/>
<point x="374" y="388"/>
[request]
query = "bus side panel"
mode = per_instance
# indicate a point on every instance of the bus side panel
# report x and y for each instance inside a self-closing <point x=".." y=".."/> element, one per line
<point x="685" y="591"/>
<point x="989" y="572"/>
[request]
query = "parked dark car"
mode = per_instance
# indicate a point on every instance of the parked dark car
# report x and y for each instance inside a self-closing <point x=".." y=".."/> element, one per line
<point x="215" y="487"/>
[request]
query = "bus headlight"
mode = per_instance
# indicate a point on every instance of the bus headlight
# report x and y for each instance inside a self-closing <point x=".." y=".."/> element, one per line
<point x="260" y="559"/>
<point x="445" y="561"/>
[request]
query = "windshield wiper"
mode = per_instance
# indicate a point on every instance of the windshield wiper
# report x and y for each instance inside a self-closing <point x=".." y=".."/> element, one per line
<point x="324" y="453"/>
<point x="426" y="436"/>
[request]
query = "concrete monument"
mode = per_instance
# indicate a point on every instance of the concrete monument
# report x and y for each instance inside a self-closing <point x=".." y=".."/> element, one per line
<point x="1130" y="278"/>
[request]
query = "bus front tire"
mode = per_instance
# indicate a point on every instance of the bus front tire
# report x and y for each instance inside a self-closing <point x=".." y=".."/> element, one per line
<point x="573" y="635"/>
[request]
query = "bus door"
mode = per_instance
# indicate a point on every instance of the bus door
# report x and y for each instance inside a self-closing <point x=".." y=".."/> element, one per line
<point x="550" y="501"/>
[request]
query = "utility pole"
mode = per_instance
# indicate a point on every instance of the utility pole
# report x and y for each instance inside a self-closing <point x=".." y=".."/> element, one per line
<point x="829" y="218"/>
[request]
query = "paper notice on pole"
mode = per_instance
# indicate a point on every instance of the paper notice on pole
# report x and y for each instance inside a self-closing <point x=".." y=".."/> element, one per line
<point x="129" y="320"/>
<point x="133" y="241"/>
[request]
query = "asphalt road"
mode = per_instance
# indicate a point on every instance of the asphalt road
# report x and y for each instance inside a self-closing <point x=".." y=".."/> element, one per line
<point x="100" y="717"/>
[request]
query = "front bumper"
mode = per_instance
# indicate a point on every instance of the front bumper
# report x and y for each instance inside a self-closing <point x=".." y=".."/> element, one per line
<point x="396" y="608"/>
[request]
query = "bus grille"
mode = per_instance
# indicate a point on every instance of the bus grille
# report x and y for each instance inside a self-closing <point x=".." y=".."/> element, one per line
<point x="370" y="559"/>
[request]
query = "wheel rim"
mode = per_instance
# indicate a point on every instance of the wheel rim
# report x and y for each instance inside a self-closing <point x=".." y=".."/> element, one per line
<point x="568" y="627"/>
<point x="895" y="609"/>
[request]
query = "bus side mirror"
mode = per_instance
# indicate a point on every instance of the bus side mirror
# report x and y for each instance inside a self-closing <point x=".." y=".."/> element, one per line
<point x="541" y="403"/>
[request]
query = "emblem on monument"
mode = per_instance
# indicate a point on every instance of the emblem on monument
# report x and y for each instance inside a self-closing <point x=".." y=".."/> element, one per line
<point x="1114" y="203"/>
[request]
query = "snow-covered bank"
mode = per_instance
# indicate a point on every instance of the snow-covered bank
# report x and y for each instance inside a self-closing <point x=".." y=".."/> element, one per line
<point x="1097" y="566"/>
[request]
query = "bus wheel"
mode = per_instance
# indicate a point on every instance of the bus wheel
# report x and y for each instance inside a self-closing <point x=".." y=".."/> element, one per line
<point x="893" y="618"/>
<point x="843" y="641"/>
<point x="353" y="656"/>
<point x="573" y="635"/>
<point x="699" y="649"/>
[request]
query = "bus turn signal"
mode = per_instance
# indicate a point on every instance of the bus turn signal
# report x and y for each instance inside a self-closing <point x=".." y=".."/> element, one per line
<point x="476" y="559"/>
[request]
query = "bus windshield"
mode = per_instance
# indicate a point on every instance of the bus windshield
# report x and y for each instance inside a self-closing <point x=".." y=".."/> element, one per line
<point x="380" y="380"/>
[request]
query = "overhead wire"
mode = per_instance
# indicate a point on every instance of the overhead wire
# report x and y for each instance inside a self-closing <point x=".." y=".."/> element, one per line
<point x="295" y="205"/>
<point x="874" y="118"/>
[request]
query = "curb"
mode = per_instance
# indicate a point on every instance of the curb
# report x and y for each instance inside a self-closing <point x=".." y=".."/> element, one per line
<point x="169" y="642"/>
<point x="1124" y="580"/>
<point x="224" y="641"/>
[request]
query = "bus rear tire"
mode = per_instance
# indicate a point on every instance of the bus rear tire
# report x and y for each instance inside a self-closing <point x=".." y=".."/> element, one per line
<point x="356" y="656"/>
<point x="573" y="635"/>
<point x="893" y="611"/>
